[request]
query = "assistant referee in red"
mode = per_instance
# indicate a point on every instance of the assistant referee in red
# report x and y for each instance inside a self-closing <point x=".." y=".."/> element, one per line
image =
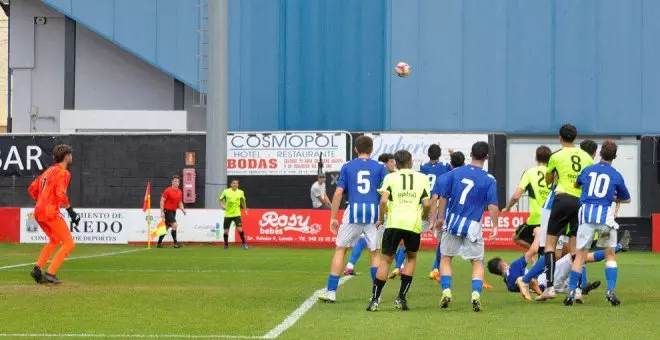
<point x="171" y="200"/>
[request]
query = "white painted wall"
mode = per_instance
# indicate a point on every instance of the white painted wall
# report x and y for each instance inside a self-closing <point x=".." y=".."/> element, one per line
<point x="521" y="153"/>
<point x="73" y="121"/>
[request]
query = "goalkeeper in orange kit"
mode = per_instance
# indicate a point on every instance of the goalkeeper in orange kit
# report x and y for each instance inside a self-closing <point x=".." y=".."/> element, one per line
<point x="49" y="190"/>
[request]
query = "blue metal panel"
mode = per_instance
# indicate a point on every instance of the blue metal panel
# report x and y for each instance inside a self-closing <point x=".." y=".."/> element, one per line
<point x="650" y="67"/>
<point x="529" y="66"/>
<point x="619" y="65"/>
<point x="163" y="33"/>
<point x="136" y="27"/>
<point x="334" y="65"/>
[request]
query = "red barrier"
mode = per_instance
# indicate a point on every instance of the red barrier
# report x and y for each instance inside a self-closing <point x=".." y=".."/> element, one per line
<point x="310" y="228"/>
<point x="10" y="230"/>
<point x="655" y="233"/>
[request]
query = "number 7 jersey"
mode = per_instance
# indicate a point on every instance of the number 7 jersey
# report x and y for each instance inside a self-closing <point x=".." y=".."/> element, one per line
<point x="361" y="178"/>
<point x="600" y="184"/>
<point x="470" y="189"/>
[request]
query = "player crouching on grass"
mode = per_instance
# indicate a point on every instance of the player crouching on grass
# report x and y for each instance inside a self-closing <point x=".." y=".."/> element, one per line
<point x="49" y="190"/>
<point x="171" y="200"/>
<point x="407" y="192"/>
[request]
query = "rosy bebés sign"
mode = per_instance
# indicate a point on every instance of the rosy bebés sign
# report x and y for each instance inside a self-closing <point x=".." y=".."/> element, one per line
<point x="285" y="153"/>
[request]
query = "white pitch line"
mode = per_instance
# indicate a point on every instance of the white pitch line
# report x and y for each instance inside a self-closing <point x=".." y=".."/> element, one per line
<point x="78" y="258"/>
<point x="299" y="312"/>
<point x="159" y="336"/>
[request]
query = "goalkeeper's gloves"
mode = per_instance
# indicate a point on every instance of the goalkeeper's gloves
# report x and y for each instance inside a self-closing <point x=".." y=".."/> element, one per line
<point x="75" y="218"/>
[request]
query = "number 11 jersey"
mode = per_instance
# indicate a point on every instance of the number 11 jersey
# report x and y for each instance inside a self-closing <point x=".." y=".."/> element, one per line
<point x="361" y="178"/>
<point x="471" y="189"/>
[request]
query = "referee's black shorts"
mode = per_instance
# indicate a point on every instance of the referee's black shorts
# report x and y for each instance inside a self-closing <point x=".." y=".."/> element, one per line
<point x="170" y="217"/>
<point x="564" y="213"/>
<point x="392" y="237"/>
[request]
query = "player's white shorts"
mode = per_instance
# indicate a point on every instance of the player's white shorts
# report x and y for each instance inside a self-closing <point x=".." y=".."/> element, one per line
<point x="452" y="245"/>
<point x="607" y="235"/>
<point x="562" y="271"/>
<point x="545" y="217"/>
<point x="349" y="234"/>
<point x="562" y="241"/>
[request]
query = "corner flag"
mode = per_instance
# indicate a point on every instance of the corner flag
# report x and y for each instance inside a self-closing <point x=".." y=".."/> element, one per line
<point x="147" y="198"/>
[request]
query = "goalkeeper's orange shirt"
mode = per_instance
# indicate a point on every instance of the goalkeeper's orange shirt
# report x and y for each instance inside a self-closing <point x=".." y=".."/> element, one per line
<point x="49" y="190"/>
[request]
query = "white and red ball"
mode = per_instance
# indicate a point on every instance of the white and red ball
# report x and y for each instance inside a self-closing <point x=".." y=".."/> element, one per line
<point x="402" y="69"/>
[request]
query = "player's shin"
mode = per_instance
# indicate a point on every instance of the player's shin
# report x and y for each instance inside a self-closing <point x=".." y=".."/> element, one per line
<point x="550" y="267"/>
<point x="445" y="272"/>
<point x="477" y="276"/>
<point x="611" y="269"/>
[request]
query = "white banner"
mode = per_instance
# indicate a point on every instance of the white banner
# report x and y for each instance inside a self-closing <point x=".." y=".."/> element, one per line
<point x="199" y="225"/>
<point x="285" y="153"/>
<point x="108" y="226"/>
<point x="418" y="145"/>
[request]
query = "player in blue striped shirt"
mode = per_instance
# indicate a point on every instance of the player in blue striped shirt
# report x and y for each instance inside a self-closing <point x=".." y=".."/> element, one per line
<point x="469" y="188"/>
<point x="601" y="186"/>
<point x="361" y="178"/>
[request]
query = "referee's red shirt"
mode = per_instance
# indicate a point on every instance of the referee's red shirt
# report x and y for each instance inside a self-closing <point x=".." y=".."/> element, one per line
<point x="172" y="198"/>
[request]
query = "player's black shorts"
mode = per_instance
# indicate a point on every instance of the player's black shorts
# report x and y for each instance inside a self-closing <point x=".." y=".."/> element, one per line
<point x="170" y="217"/>
<point x="392" y="237"/>
<point x="237" y="222"/>
<point x="525" y="232"/>
<point x="564" y="213"/>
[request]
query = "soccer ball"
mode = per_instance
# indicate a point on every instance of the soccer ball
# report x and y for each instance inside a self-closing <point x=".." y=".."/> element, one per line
<point x="402" y="69"/>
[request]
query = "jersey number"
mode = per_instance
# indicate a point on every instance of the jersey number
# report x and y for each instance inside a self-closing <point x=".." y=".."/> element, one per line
<point x="598" y="184"/>
<point x="363" y="184"/>
<point x="432" y="180"/>
<point x="575" y="160"/>
<point x="469" y="184"/>
<point x="541" y="182"/>
<point x="410" y="176"/>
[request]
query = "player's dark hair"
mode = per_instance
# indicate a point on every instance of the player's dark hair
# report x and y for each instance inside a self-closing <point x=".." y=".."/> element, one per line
<point x="480" y="151"/>
<point x="364" y="144"/>
<point x="457" y="159"/>
<point x="434" y="152"/>
<point x="589" y="146"/>
<point x="176" y="177"/>
<point x="543" y="154"/>
<point x="494" y="266"/>
<point x="60" y="151"/>
<point x="384" y="158"/>
<point x="236" y="179"/>
<point x="568" y="132"/>
<point x="403" y="159"/>
<point x="608" y="151"/>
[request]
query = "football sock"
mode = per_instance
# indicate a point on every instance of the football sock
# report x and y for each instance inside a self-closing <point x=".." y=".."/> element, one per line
<point x="436" y="263"/>
<point x="160" y="239"/>
<point x="400" y="257"/>
<point x="174" y="235"/>
<point x="535" y="271"/>
<point x="585" y="282"/>
<point x="226" y="238"/>
<point x="550" y="268"/>
<point x="406" y="281"/>
<point x="333" y="282"/>
<point x="378" y="288"/>
<point x="573" y="279"/>
<point x="357" y="251"/>
<point x="445" y="282"/>
<point x="611" y="272"/>
<point x="477" y="285"/>
<point x="373" y="271"/>
<point x="242" y="234"/>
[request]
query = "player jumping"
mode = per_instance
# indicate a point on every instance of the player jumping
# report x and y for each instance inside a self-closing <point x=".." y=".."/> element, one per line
<point x="601" y="185"/>
<point x="361" y="178"/>
<point x="469" y="188"/>
<point x="407" y="193"/>
<point x="49" y="190"/>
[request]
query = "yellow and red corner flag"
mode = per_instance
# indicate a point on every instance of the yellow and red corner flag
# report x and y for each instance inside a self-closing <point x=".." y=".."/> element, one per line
<point x="147" y="198"/>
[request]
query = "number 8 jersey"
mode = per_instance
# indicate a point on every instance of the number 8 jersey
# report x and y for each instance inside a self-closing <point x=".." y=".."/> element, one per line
<point x="361" y="178"/>
<point x="471" y="189"/>
<point x="600" y="184"/>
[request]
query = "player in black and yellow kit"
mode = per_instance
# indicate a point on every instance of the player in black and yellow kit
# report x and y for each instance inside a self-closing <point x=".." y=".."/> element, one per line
<point x="566" y="164"/>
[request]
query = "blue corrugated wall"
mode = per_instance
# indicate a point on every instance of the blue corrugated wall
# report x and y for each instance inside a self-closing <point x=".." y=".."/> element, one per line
<point x="515" y="66"/>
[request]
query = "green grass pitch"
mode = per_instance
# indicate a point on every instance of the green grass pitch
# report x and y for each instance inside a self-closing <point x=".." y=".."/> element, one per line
<point x="200" y="291"/>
